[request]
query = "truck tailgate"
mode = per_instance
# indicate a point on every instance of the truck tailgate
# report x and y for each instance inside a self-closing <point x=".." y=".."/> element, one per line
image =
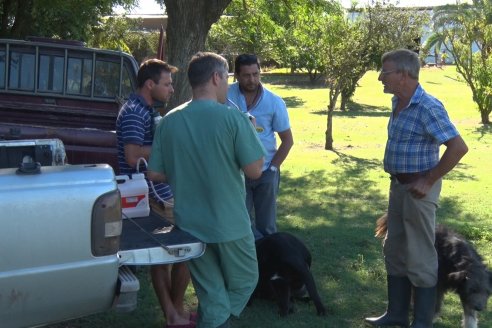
<point x="153" y="240"/>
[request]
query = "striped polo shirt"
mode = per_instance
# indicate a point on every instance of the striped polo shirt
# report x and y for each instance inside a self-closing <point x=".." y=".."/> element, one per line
<point x="134" y="126"/>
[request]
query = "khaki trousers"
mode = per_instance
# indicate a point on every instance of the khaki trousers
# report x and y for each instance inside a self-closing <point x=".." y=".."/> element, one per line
<point x="409" y="244"/>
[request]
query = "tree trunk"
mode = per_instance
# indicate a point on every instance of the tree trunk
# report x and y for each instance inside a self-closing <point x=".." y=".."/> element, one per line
<point x="329" y="129"/>
<point x="485" y="117"/>
<point x="329" y="121"/>
<point x="21" y="11"/>
<point x="343" y="102"/>
<point x="187" y="28"/>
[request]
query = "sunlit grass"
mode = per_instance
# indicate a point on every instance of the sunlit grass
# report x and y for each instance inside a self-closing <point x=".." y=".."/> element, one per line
<point x="332" y="199"/>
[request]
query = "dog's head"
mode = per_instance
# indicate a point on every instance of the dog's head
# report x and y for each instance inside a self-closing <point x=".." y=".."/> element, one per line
<point x="475" y="286"/>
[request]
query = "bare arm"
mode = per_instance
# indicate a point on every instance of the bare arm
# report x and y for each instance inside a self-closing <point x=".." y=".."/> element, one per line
<point x="253" y="170"/>
<point x="286" y="143"/>
<point x="156" y="176"/>
<point x="134" y="152"/>
<point x="455" y="150"/>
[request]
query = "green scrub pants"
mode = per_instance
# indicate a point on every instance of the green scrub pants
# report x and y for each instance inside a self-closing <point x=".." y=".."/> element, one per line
<point x="224" y="278"/>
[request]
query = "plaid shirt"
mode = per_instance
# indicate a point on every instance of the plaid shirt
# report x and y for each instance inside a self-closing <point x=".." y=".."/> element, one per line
<point x="414" y="136"/>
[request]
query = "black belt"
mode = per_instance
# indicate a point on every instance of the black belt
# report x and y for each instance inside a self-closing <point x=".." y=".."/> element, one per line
<point x="406" y="178"/>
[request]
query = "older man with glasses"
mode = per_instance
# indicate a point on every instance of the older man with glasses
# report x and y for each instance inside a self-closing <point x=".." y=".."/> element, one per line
<point x="417" y="127"/>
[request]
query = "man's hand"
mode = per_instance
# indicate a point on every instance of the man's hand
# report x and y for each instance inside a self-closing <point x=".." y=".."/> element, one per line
<point x="455" y="150"/>
<point x="420" y="188"/>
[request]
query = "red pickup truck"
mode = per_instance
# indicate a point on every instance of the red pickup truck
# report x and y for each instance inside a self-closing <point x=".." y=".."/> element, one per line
<point x="62" y="89"/>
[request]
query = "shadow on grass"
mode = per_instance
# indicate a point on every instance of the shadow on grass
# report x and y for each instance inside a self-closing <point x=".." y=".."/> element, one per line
<point x="459" y="173"/>
<point x="354" y="107"/>
<point x="357" y="110"/>
<point x="472" y="227"/>
<point x="293" y="102"/>
<point x="290" y="81"/>
<point x="452" y="78"/>
<point x="334" y="213"/>
<point x="483" y="130"/>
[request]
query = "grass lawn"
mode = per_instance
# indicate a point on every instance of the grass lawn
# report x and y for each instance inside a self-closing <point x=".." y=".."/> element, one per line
<point x="332" y="199"/>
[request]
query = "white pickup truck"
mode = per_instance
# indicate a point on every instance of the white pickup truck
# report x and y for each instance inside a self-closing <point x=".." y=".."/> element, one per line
<point x="65" y="249"/>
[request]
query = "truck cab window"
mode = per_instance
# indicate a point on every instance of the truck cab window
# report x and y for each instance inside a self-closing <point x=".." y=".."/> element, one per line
<point x="127" y="86"/>
<point x="106" y="80"/>
<point x="51" y="73"/>
<point x="21" y="71"/>
<point x="2" y="68"/>
<point x="79" y="76"/>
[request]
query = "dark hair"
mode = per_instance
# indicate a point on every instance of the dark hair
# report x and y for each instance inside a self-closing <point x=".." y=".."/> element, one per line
<point x="245" y="60"/>
<point x="152" y="69"/>
<point x="203" y="65"/>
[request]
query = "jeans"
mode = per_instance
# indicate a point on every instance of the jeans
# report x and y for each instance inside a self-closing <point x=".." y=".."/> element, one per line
<point x="261" y="202"/>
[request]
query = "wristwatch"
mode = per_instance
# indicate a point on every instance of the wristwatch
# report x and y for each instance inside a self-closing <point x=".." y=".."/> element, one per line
<point x="273" y="168"/>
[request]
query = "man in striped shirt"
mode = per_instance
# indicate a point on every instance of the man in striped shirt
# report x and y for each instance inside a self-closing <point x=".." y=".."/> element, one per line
<point x="418" y="126"/>
<point x="135" y="128"/>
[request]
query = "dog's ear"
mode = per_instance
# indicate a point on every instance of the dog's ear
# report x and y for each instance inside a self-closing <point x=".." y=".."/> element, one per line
<point x="457" y="276"/>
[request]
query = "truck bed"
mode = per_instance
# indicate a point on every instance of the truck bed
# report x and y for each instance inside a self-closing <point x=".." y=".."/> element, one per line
<point x="154" y="240"/>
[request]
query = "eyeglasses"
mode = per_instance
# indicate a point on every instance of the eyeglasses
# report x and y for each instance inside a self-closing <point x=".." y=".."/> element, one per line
<point x="381" y="72"/>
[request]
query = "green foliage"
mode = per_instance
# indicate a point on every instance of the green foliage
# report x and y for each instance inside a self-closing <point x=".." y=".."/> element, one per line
<point x="355" y="46"/>
<point x="54" y="18"/>
<point x="460" y="27"/>
<point x="389" y="27"/>
<point x="245" y="27"/>
<point x="306" y="38"/>
<point x="288" y="33"/>
<point x="124" y="34"/>
<point x="110" y="33"/>
<point x="143" y="45"/>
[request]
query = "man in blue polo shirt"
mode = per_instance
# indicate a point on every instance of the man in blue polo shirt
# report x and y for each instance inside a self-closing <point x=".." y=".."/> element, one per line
<point x="270" y="115"/>
<point x="418" y="126"/>
<point x="135" y="128"/>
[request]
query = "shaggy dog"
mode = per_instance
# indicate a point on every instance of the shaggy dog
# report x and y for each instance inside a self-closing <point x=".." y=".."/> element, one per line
<point x="284" y="272"/>
<point x="461" y="269"/>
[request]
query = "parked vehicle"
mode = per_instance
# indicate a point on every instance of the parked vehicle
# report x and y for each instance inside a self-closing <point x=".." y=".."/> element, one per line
<point x="65" y="250"/>
<point x="63" y="89"/>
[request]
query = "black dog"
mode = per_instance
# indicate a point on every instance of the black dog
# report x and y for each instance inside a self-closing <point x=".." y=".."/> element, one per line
<point x="284" y="272"/>
<point x="461" y="269"/>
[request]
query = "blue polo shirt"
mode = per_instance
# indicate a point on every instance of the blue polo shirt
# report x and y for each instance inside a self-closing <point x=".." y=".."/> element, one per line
<point x="270" y="113"/>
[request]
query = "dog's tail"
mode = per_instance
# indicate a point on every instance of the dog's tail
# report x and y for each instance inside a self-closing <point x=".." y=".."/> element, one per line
<point x="381" y="226"/>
